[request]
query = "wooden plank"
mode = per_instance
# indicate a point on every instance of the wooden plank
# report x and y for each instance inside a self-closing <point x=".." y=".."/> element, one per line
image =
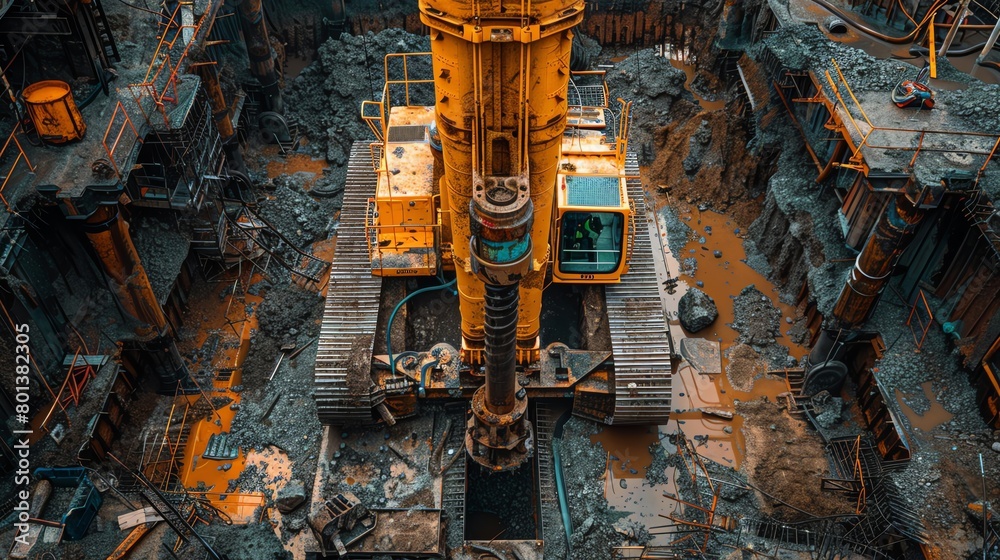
<point x="122" y="550"/>
<point x="137" y="517"/>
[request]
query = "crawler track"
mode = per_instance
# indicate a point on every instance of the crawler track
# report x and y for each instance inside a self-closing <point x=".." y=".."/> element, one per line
<point x="641" y="347"/>
<point x="350" y="316"/>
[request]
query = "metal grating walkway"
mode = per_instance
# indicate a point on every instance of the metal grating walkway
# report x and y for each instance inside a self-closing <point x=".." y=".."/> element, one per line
<point x="350" y="317"/>
<point x="638" y="327"/>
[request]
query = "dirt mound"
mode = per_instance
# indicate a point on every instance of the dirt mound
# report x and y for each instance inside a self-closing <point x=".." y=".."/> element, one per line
<point x="325" y="99"/>
<point x="783" y="460"/>
<point x="704" y="160"/>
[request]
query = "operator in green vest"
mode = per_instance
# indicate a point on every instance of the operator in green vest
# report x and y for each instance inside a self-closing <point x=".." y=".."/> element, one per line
<point x="586" y="236"/>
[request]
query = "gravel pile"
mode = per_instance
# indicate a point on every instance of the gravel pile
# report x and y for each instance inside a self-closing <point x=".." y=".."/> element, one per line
<point x="583" y="470"/>
<point x="653" y="86"/>
<point x="325" y="99"/>
<point x="301" y="218"/>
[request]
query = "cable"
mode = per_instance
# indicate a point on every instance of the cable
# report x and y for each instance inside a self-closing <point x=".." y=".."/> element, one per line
<point x="141" y="9"/>
<point x="951" y="52"/>
<point x="561" y="482"/>
<point x="843" y="14"/>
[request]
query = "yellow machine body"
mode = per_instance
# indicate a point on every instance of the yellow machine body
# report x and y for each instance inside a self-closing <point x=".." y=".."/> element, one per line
<point x="402" y="222"/>
<point x="500" y="90"/>
<point x="53" y="111"/>
<point x="592" y="189"/>
<point x="500" y="108"/>
<point x="586" y="254"/>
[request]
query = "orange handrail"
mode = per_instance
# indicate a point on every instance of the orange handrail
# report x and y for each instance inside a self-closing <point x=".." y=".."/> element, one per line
<point x="21" y="156"/>
<point x="126" y="120"/>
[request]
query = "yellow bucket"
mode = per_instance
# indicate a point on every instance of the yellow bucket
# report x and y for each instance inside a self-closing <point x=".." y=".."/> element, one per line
<point x="52" y="109"/>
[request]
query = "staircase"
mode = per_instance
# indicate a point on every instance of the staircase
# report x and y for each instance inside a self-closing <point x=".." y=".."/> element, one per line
<point x="246" y="235"/>
<point x="102" y="29"/>
<point x="180" y="515"/>
<point x="257" y="232"/>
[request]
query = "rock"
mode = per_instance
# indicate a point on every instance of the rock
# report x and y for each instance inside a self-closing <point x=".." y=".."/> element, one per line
<point x="296" y="525"/>
<point x="587" y="526"/>
<point x="291" y="496"/>
<point x="996" y="446"/>
<point x="696" y="310"/>
<point x="827" y="409"/>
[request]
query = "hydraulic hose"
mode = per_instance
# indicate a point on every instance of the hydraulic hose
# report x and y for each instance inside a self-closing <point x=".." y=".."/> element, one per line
<point x="392" y="317"/>
<point x="909" y="37"/>
<point x="561" y="483"/>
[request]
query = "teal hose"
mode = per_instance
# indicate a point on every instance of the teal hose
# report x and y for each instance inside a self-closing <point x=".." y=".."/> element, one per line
<point x="561" y="485"/>
<point x="392" y="317"/>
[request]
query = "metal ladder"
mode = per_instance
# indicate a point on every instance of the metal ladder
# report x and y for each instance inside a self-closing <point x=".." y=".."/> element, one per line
<point x="550" y="522"/>
<point x="103" y="29"/>
<point x="453" y="480"/>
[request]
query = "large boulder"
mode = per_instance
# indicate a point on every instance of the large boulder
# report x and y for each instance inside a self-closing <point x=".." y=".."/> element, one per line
<point x="291" y="496"/>
<point x="696" y="310"/>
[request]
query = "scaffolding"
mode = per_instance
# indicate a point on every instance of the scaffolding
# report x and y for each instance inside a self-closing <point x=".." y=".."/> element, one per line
<point x="920" y="320"/>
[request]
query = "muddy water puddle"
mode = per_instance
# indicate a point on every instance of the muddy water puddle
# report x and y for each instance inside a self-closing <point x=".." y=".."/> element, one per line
<point x="625" y="485"/>
<point x="704" y="404"/>
<point x="691" y="71"/>
<point x="933" y="417"/>
<point x="297" y="163"/>
<point x="627" y="448"/>
<point x="721" y="277"/>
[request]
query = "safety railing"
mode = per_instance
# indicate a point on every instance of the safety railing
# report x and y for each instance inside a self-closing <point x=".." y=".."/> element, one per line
<point x="404" y="246"/>
<point x="376" y="149"/>
<point x="588" y="95"/>
<point x="118" y="127"/>
<point x="159" y="85"/>
<point x="859" y="475"/>
<point x="11" y="171"/>
<point x="161" y="461"/>
<point x="376" y="113"/>
<point x="899" y="138"/>
<point x="234" y="507"/>
<point x="79" y="373"/>
<point x="621" y="140"/>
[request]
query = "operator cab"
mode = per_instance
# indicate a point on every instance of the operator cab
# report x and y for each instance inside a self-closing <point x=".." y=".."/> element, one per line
<point x="593" y="214"/>
<point x="592" y="224"/>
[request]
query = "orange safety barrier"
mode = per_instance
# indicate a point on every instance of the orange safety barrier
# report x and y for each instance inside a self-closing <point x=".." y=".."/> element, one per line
<point x="10" y="171"/>
<point x="920" y="311"/>
<point x="904" y="138"/>
<point x="160" y="82"/>
<point x="119" y="116"/>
